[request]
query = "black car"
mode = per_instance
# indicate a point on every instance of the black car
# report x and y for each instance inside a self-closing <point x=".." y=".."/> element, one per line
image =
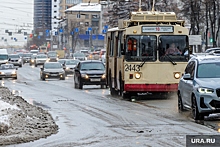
<point x="52" y="58"/>
<point x="52" y="70"/>
<point x="27" y="57"/>
<point x="89" y="73"/>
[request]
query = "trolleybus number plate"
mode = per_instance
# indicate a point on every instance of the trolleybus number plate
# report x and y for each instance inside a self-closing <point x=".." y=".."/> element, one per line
<point x="129" y="67"/>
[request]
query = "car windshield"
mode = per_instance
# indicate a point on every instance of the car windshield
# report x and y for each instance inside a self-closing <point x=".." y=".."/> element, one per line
<point x="27" y="55"/>
<point x="21" y="54"/>
<point x="92" y="66"/>
<point x="208" y="70"/>
<point x="3" y="57"/>
<point x="33" y="56"/>
<point x="33" y="51"/>
<point x="78" y="55"/>
<point x="173" y="48"/>
<point x="211" y="49"/>
<point x="84" y="52"/>
<point x="141" y="48"/>
<point x="13" y="56"/>
<point x="7" y="66"/>
<point x="52" y="65"/>
<point x="52" y="55"/>
<point x="41" y="56"/>
<point x="61" y="61"/>
<point x="72" y="62"/>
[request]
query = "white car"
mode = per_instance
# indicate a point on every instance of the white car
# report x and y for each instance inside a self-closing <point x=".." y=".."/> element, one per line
<point x="8" y="71"/>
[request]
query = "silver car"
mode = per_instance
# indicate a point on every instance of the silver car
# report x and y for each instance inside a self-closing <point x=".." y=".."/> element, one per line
<point x="40" y="60"/>
<point x="8" y="71"/>
<point x="15" y="59"/>
<point x="199" y="87"/>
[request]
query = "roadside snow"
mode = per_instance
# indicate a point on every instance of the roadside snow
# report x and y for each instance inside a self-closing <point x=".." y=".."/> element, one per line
<point x="4" y="118"/>
<point x="22" y="122"/>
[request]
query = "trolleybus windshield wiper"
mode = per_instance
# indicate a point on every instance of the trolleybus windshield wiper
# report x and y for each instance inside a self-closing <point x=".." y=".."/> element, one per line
<point x="143" y="62"/>
<point x="174" y="63"/>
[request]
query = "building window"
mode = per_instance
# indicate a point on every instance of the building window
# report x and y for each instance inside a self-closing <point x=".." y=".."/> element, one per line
<point x="55" y="5"/>
<point x="55" y="16"/>
<point x="55" y="22"/>
<point x="61" y="7"/>
<point x="55" y="11"/>
<point x="95" y="16"/>
<point x="86" y="23"/>
<point x="87" y="16"/>
<point x="55" y="0"/>
<point x="78" y="15"/>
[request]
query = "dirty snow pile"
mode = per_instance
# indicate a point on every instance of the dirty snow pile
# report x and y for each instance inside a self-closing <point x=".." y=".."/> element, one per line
<point x="22" y="122"/>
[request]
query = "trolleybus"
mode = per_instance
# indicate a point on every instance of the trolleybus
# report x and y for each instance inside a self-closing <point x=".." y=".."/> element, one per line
<point x="147" y="53"/>
<point x="43" y="49"/>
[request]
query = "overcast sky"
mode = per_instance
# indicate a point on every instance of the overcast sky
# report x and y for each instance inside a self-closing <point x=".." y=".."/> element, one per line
<point x="15" y="15"/>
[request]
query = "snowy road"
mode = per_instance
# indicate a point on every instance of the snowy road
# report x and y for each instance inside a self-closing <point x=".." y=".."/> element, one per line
<point x="91" y="117"/>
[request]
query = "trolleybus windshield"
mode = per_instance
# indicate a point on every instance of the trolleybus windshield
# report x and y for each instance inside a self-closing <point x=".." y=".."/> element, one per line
<point x="141" y="48"/>
<point x="173" y="48"/>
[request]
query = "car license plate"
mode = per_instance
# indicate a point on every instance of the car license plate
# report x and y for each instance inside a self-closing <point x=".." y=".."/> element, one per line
<point x="53" y="74"/>
<point x="95" y="80"/>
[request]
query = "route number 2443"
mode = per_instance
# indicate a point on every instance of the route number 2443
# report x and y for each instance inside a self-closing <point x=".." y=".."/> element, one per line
<point x="129" y="67"/>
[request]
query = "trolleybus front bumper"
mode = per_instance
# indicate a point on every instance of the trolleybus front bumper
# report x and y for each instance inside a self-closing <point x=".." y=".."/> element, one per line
<point x="151" y="87"/>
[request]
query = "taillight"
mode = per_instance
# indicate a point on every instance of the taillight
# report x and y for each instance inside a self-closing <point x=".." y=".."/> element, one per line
<point x="100" y="56"/>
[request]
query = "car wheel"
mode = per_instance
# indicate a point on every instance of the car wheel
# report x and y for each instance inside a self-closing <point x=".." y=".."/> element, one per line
<point x="0" y="78"/>
<point x="80" y="84"/>
<point x="180" y="103"/>
<point x="103" y="86"/>
<point x="195" y="111"/>
<point x="16" y="78"/>
<point x="65" y="74"/>
<point x="35" y="65"/>
<point x="20" y="65"/>
<point x="75" y="84"/>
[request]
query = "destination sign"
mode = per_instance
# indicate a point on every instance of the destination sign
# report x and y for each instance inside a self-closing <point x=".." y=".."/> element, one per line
<point x="156" y="29"/>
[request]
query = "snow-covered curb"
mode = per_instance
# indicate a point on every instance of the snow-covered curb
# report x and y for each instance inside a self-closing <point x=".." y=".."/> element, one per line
<point x="22" y="122"/>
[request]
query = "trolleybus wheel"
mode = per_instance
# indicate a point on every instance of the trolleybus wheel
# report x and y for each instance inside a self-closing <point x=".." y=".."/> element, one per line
<point x="126" y="96"/>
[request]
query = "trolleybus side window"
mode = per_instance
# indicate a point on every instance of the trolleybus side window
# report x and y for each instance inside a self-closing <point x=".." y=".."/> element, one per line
<point x="173" y="48"/>
<point x="141" y="48"/>
<point x="120" y="40"/>
<point x="112" y="48"/>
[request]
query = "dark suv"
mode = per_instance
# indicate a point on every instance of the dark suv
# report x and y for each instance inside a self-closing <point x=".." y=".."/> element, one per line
<point x="199" y="87"/>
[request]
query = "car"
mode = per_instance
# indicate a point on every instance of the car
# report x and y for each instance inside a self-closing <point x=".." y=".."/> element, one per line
<point x="52" y="70"/>
<point x="89" y="73"/>
<point x="15" y="59"/>
<point x="21" y="55"/>
<point x="62" y="61"/>
<point x="34" y="52"/>
<point x="70" y="65"/>
<point x="94" y="56"/>
<point x="199" y="88"/>
<point x="27" y="57"/>
<point x="33" y="58"/>
<point x="40" y="60"/>
<point x="211" y="49"/>
<point x="8" y="71"/>
<point x="52" y="58"/>
<point x="79" y="56"/>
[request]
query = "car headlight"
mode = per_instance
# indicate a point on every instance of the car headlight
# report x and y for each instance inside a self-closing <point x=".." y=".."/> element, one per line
<point x="85" y="76"/>
<point x="2" y="73"/>
<point x="67" y="68"/>
<point x="32" y="60"/>
<point x="19" y="60"/>
<point x="13" y="72"/>
<point x="137" y="75"/>
<point x="103" y="76"/>
<point x="57" y="58"/>
<point x="176" y="75"/>
<point x="205" y="90"/>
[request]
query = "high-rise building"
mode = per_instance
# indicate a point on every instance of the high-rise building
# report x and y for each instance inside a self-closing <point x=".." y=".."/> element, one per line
<point x="42" y="14"/>
<point x="55" y="14"/>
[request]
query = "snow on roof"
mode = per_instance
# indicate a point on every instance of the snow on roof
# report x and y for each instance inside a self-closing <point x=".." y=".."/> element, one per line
<point x="93" y="7"/>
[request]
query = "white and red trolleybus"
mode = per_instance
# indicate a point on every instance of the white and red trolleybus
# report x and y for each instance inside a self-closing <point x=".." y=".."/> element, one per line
<point x="138" y="57"/>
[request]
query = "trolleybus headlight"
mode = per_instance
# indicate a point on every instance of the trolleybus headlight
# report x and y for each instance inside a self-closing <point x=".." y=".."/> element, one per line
<point x="137" y="75"/>
<point x="177" y="75"/>
<point x="103" y="76"/>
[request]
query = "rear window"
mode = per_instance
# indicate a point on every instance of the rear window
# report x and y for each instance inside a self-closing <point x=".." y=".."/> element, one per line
<point x="92" y="66"/>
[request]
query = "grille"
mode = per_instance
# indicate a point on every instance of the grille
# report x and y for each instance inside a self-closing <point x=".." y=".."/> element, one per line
<point x="95" y="76"/>
<point x="14" y="60"/>
<point x="215" y="104"/>
<point x="54" y="72"/>
<point x="218" y="92"/>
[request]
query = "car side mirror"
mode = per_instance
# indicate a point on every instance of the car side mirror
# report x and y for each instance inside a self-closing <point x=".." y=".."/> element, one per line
<point x="76" y="69"/>
<point x="42" y="68"/>
<point x="9" y="59"/>
<point x="187" y="77"/>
